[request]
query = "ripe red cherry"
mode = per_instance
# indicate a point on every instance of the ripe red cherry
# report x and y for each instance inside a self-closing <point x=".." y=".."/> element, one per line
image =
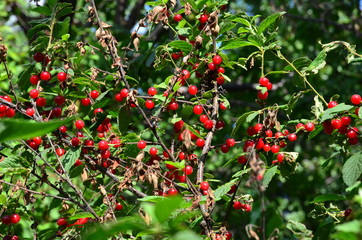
<point x="230" y="142"/>
<point x="292" y="137"/>
<point x="188" y="170"/>
<point x="280" y="157"/>
<point x="346" y="121"/>
<point x="336" y="123"/>
<point x="347" y="212"/>
<point x="33" y="93"/>
<point x="269" y="133"/>
<point x="275" y="148"/>
<point x="62" y="76"/>
<point x="237" y="205"/>
<point x="149" y="104"/>
<point x="200" y="142"/>
<point x="179" y="124"/>
<point x="14" y="218"/>
<point x="351" y="134"/>
<point x="198" y="109"/>
<point x="193" y="90"/>
<point x="59" y="100"/>
<point x="98" y="110"/>
<point x="38" y="56"/>
<point x="228" y="236"/>
<point x="220" y="125"/>
<point x="262" y="96"/>
<point x="60" y="151"/>
<point x="172" y="192"/>
<point x="356" y="99"/>
<point x="220" y="80"/>
<point x="263" y="81"/>
<point x="75" y="141"/>
<point x="45" y="76"/>
<point x="223" y="106"/>
<point x="217" y="60"/>
<point x="269" y="86"/>
<point x="37" y="140"/>
<point x="177" y="17"/>
<point x="258" y="127"/>
<point x="41" y="102"/>
<point x="185" y="74"/>
<point x="224" y="148"/>
<point x="203" y="18"/>
<point x="259" y="144"/>
<point x="63" y="129"/>
<point x="204" y="186"/>
<point x="6" y="219"/>
<point x="332" y="104"/>
<point x="79" y="124"/>
<point x="30" y="111"/>
<point x="221" y="70"/>
<point x="247" y="208"/>
<point x="62" y="222"/>
<point x="203" y="118"/>
<point x="152" y="91"/>
<point x="103" y="145"/>
<point x="242" y="159"/>
<point x="94" y="94"/>
<point x="86" y="101"/>
<point x="309" y="126"/>
<point x="208" y="124"/>
<point x="34" y="79"/>
<point x="211" y="66"/>
<point x="173" y="106"/>
<point x="141" y="144"/>
<point x="266" y="147"/>
<point x="153" y="151"/>
<point x="118" y="207"/>
<point x="124" y="92"/>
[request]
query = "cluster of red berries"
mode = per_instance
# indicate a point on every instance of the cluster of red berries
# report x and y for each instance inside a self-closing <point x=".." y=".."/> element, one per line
<point x="264" y="82"/>
<point x="80" y="222"/>
<point x="8" y="237"/>
<point x="6" y="111"/>
<point x="239" y="205"/>
<point x="10" y="219"/>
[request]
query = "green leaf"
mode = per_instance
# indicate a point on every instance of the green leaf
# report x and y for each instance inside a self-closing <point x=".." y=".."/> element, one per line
<point x="24" y="77"/>
<point x="3" y="199"/>
<point x="70" y="157"/>
<point x="166" y="207"/>
<point x="360" y="113"/>
<point x="277" y="72"/>
<point x="269" y="21"/>
<point x="12" y="165"/>
<point x="12" y="129"/>
<point x="317" y="109"/>
<point x="36" y="29"/>
<point x="186" y="112"/>
<point x="236" y="43"/>
<point x="240" y="173"/>
<point x="80" y="215"/>
<point x="294" y="99"/>
<point x="181" y="45"/>
<point x="151" y="199"/>
<point x="299" y="63"/>
<point x="186" y="234"/>
<point x="78" y="94"/>
<point x="124" y="118"/>
<point x="352" y="169"/>
<point x="242" y="21"/>
<point x="268" y="176"/>
<point x="42" y="10"/>
<point x="251" y="116"/>
<point x="318" y="63"/>
<point x="65" y="10"/>
<point x="240" y="121"/>
<point x="328" y="198"/>
<point x="179" y="165"/>
<point x="352" y="226"/>
<point x="61" y="28"/>
<point x="299" y="230"/>
<point x="224" y="189"/>
<point x="332" y="112"/>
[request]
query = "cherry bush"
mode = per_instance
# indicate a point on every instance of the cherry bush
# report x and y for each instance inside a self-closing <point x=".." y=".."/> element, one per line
<point x="103" y="139"/>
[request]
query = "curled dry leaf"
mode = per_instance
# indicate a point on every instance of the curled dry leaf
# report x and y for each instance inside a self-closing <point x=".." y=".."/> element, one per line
<point x="186" y="135"/>
<point x="188" y="9"/>
<point x="84" y="175"/>
<point x="91" y="13"/>
<point x="213" y="27"/>
<point x="104" y="25"/>
<point x="157" y="14"/>
<point x="173" y="3"/>
<point x="3" y="53"/>
<point x="80" y="46"/>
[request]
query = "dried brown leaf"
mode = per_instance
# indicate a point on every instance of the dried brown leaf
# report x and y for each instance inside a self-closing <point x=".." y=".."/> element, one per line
<point x="84" y="175"/>
<point x="188" y="9"/>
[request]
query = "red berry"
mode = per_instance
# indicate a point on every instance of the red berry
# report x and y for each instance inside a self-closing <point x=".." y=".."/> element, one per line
<point x="278" y="135"/>
<point x="86" y="101"/>
<point x="6" y="219"/>
<point x="356" y="99"/>
<point x="268" y="133"/>
<point x="275" y="148"/>
<point x="262" y="96"/>
<point x="224" y="148"/>
<point x="269" y="86"/>
<point x="222" y="106"/>
<point x="45" y="76"/>
<point x="220" y="125"/>
<point x="228" y="236"/>
<point x="336" y="123"/>
<point x="152" y="91"/>
<point x="309" y="126"/>
<point x="346" y="121"/>
<point x="347" y="212"/>
<point x="34" y="79"/>
<point x="37" y="140"/>
<point x="217" y="60"/>
<point x="94" y="94"/>
<point x="62" y="222"/>
<point x="352" y="134"/>
<point x="280" y="157"/>
<point x="204" y="186"/>
<point x="179" y="124"/>
<point x="292" y="137"/>
<point x="75" y="141"/>
<point x="247" y="208"/>
<point x="141" y="144"/>
<point x="266" y="147"/>
<point x="230" y="142"/>
<point x="79" y="124"/>
<point x="220" y="80"/>
<point x="221" y="70"/>
<point x="173" y="106"/>
<point x="63" y="129"/>
<point x="259" y="144"/>
<point x="124" y="92"/>
<point x="251" y="131"/>
<point x="41" y="102"/>
<point x="62" y="76"/>
<point x="203" y="18"/>
<point x="242" y="159"/>
<point x="60" y="151"/>
<point x="149" y="104"/>
<point x="200" y="142"/>
<point x="59" y="100"/>
<point x="198" y="109"/>
<point x="211" y="66"/>
<point x="104" y="155"/>
<point x="237" y="205"/>
<point x="118" y="97"/>
<point x="118" y="207"/>
<point x="208" y="124"/>
<point x="30" y="112"/>
<point x="98" y="110"/>
<point x="38" y="56"/>
<point x="177" y="17"/>
<point x="188" y="170"/>
<point x="153" y="151"/>
<point x="203" y="118"/>
<point x="332" y="104"/>
<point x="192" y="90"/>
<point x="14" y="218"/>
<point x="263" y="81"/>
<point x="33" y="93"/>
<point x="258" y="127"/>
<point x="103" y="145"/>
<point x="172" y="192"/>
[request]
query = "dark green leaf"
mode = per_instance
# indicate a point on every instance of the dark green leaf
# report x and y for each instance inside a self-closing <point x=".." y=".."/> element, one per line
<point x="318" y="63"/>
<point x="181" y="45"/>
<point x="186" y="234"/>
<point x="236" y="43"/>
<point x="78" y="94"/>
<point x="269" y="21"/>
<point x="70" y="157"/>
<point x="299" y="63"/>
<point x="224" y="189"/>
<point x="299" y="230"/>
<point x="251" y="116"/>
<point x="268" y="176"/>
<point x="80" y="215"/>
<point x="240" y="121"/>
<point x="352" y="169"/>
<point x="42" y="10"/>
<point x="12" y="129"/>
<point x="66" y="10"/>
<point x="165" y="208"/>
<point x="328" y="198"/>
<point x="332" y="112"/>
<point x="124" y="118"/>
<point x="151" y="199"/>
<point x="24" y="77"/>
<point x="61" y="28"/>
<point x="186" y="112"/>
<point x="36" y="28"/>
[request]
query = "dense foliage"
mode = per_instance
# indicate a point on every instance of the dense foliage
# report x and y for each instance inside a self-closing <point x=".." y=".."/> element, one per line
<point x="180" y="120"/>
